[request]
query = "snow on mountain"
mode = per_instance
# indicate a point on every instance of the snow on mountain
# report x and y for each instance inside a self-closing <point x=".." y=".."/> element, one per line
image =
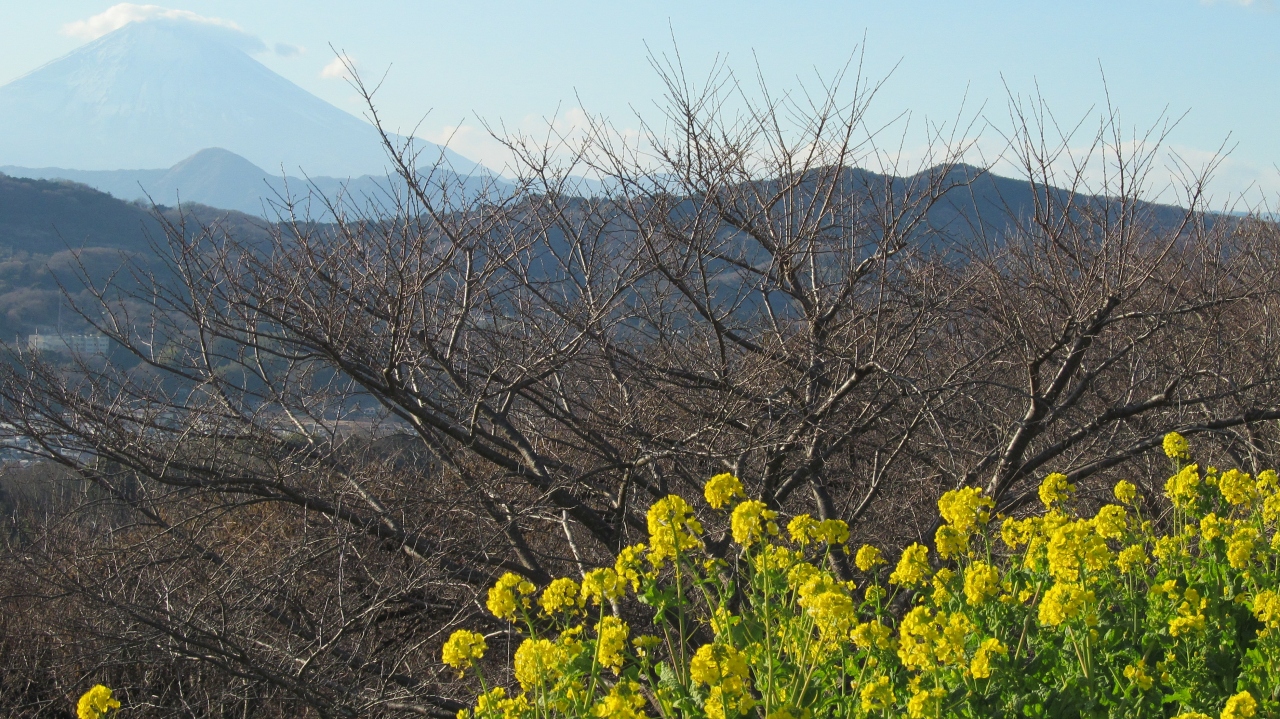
<point x="152" y="93"/>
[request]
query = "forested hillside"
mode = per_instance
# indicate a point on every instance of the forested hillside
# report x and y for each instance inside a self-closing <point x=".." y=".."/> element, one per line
<point x="52" y="231"/>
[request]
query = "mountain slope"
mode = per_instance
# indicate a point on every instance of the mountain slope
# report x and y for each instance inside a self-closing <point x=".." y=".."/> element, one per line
<point x="219" y="178"/>
<point x="44" y="217"/>
<point x="154" y="92"/>
<point x="51" y="232"/>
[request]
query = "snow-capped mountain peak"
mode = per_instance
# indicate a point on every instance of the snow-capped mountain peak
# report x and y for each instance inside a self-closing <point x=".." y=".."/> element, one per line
<point x="152" y="93"/>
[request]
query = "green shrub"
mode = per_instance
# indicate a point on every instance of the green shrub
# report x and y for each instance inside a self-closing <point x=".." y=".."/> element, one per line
<point x="1053" y="615"/>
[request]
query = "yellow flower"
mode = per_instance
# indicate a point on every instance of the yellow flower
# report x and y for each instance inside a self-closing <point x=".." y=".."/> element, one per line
<point x="1193" y="715"/>
<point x="536" y="662"/>
<point x="965" y="508"/>
<point x="612" y="639"/>
<point x="1064" y="602"/>
<point x="877" y="694"/>
<point x="1210" y="527"/>
<point x="802" y="528"/>
<point x="980" y="667"/>
<point x="1177" y="447"/>
<point x="721" y="489"/>
<point x="832" y="611"/>
<point x="1131" y="557"/>
<point x="1266" y="607"/>
<point x="1055" y="488"/>
<point x="624" y="701"/>
<point x="1110" y="522"/>
<point x="672" y="529"/>
<point x="1271" y="508"/>
<point x="868" y="558"/>
<point x="603" y="584"/>
<point x="775" y="557"/>
<point x="560" y="596"/>
<point x="1181" y="488"/>
<point x="1169" y="587"/>
<point x="714" y="706"/>
<point x="645" y="644"/>
<point x="1076" y="546"/>
<point x="627" y="565"/>
<point x="542" y="661"/>
<point x="1137" y="673"/>
<point x="1268" y="482"/>
<point x="949" y="649"/>
<point x="872" y="634"/>
<point x="1190" y="617"/>
<point x="96" y="703"/>
<point x="981" y="582"/>
<point x="503" y="601"/>
<point x="494" y="704"/>
<point x="751" y="521"/>
<point x="722" y="619"/>
<point x="950" y="541"/>
<point x="1168" y="549"/>
<point x="1240" y="706"/>
<point x="724" y="669"/>
<point x="1017" y="532"/>
<point x="714" y="664"/>
<point x="800" y="574"/>
<point x="463" y="649"/>
<point x="941" y="586"/>
<point x="1240" y="547"/>
<point x="1126" y="492"/>
<point x="917" y="634"/>
<point x="1237" y="487"/>
<point x="832" y="531"/>
<point x="925" y="703"/>
<point x="913" y="566"/>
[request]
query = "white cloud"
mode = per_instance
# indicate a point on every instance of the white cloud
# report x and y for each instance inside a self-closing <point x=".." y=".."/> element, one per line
<point x="117" y="16"/>
<point x="337" y="68"/>
<point x="284" y="49"/>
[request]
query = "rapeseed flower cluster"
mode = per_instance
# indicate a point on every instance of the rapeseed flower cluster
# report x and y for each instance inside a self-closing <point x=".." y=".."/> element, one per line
<point x="97" y="703"/>
<point x="1055" y="489"/>
<point x="508" y="595"/>
<point x="672" y="529"/>
<point x="752" y="521"/>
<point x="463" y="649"/>
<point x="1050" y="614"/>
<point x="722" y="489"/>
<point x="868" y="558"/>
<point x="913" y="566"/>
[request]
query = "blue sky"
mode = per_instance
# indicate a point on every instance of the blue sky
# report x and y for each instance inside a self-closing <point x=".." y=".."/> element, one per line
<point x="517" y="63"/>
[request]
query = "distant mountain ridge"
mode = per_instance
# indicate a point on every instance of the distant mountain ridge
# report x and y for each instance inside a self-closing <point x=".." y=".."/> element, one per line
<point x="48" y="226"/>
<point x="223" y="179"/>
<point x="154" y="92"/>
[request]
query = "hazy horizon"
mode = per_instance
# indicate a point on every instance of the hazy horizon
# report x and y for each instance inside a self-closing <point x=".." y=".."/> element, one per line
<point x="516" y="67"/>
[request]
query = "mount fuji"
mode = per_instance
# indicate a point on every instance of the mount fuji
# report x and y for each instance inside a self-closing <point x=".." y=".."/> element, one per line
<point x="155" y="92"/>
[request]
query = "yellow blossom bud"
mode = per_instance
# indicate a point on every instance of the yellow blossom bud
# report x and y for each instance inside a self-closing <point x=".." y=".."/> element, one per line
<point x="1177" y="447"/>
<point x="1126" y="491"/>
<point x="868" y="558"/>
<point x="722" y="489"/>
<point x="463" y="649"/>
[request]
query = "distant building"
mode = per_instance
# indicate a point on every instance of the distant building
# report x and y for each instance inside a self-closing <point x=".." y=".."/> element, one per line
<point x="88" y="343"/>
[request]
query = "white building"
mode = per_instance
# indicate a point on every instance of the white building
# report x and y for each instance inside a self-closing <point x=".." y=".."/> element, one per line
<point x="89" y="343"/>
